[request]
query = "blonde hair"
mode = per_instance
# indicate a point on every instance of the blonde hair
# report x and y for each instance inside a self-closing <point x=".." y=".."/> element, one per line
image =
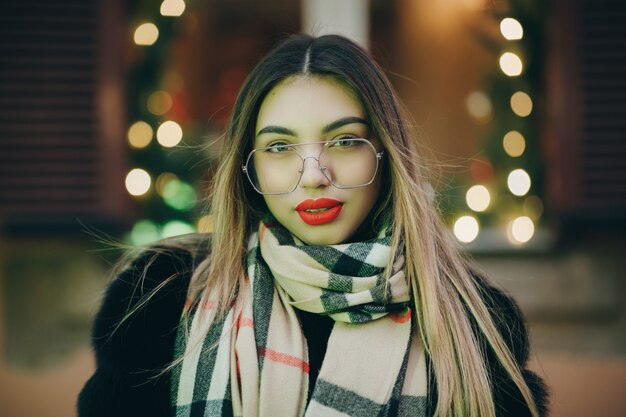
<point x="447" y="299"/>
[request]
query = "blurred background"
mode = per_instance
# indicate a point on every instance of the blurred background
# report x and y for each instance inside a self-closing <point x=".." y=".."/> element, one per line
<point x="111" y="111"/>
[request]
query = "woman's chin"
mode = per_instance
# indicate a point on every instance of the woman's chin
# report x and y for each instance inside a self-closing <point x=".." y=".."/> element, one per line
<point x="318" y="238"/>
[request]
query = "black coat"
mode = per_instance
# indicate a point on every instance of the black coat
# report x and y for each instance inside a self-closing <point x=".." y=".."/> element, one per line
<point x="130" y="356"/>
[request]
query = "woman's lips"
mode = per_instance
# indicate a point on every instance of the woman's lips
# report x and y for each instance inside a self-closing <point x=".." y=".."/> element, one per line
<point x="320" y="211"/>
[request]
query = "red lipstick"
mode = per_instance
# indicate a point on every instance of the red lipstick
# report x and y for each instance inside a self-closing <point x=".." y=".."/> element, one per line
<point x="320" y="211"/>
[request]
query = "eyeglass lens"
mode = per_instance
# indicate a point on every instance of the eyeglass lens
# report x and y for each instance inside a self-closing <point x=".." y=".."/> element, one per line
<point x="346" y="163"/>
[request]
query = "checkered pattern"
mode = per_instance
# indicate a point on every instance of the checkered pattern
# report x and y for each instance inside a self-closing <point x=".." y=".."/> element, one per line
<point x="255" y="363"/>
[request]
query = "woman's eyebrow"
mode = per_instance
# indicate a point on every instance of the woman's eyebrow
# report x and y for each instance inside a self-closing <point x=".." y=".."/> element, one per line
<point x="276" y="129"/>
<point x="328" y="128"/>
<point x="344" y="121"/>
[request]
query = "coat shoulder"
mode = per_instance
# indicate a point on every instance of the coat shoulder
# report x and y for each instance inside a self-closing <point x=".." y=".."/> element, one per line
<point x="135" y="329"/>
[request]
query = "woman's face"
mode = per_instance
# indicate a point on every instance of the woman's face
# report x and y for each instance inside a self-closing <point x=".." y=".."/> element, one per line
<point x="303" y="110"/>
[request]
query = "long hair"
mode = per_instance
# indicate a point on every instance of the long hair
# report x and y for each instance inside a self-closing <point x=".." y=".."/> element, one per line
<point x="446" y="297"/>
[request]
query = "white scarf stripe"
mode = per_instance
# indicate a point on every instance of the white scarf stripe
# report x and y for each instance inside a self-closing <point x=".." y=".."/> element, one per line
<point x="189" y="366"/>
<point x="221" y="371"/>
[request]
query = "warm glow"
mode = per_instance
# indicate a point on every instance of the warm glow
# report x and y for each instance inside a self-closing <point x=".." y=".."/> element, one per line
<point x="169" y="134"/>
<point x="172" y="7"/>
<point x="519" y="182"/>
<point x="481" y="170"/>
<point x="475" y="5"/>
<point x="175" y="228"/>
<point x="466" y="229"/>
<point x="173" y="81"/>
<point x="514" y="143"/>
<point x="521" y="104"/>
<point x="159" y="103"/>
<point x="146" y="34"/>
<point x="162" y="181"/>
<point x="511" y="29"/>
<point x="139" y="134"/>
<point x="520" y="230"/>
<point x="511" y="64"/>
<point x="479" y="106"/>
<point x="138" y="182"/>
<point x="478" y="198"/>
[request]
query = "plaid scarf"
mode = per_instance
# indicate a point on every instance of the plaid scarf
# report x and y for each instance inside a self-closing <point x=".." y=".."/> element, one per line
<point x="255" y="362"/>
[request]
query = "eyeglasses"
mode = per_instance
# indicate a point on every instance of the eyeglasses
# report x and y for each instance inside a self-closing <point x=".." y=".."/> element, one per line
<point x="346" y="163"/>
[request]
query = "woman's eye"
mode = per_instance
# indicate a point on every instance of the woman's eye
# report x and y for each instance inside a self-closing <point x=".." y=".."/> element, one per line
<point x="346" y="142"/>
<point x="278" y="147"/>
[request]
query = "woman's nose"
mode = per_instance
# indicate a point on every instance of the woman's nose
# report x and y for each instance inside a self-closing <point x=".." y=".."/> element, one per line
<point x="312" y="174"/>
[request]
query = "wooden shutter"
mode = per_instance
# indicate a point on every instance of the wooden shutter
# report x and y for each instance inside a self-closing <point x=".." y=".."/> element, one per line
<point x="61" y="130"/>
<point x="586" y="108"/>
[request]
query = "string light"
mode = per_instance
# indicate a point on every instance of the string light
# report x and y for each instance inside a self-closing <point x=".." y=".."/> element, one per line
<point x="521" y="104"/>
<point x="520" y="230"/>
<point x="175" y="228"/>
<point x="466" y="229"/>
<point x="179" y="195"/>
<point x="138" y="182"/>
<point x="146" y="34"/>
<point x="479" y="106"/>
<point x="144" y="232"/>
<point x="169" y="134"/>
<point x="172" y="7"/>
<point x="514" y="143"/>
<point x="162" y="181"/>
<point x="478" y="198"/>
<point x="511" y="64"/>
<point x="159" y="103"/>
<point x="511" y="29"/>
<point x="518" y="182"/>
<point x="140" y="134"/>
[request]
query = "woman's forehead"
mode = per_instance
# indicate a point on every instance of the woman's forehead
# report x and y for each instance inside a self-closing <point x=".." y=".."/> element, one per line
<point x="306" y="100"/>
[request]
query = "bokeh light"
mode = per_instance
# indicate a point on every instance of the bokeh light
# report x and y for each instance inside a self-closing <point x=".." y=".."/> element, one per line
<point x="466" y="228"/>
<point x="159" y="103"/>
<point x="173" y="81"/>
<point x="518" y="182"/>
<point x="144" y="232"/>
<point x="176" y="228"/>
<point x="479" y="107"/>
<point x="478" y="198"/>
<point x="146" y="34"/>
<point x="162" y="181"/>
<point x="520" y="230"/>
<point x="138" y="182"/>
<point x="169" y="134"/>
<point x="511" y="29"/>
<point x="514" y="143"/>
<point x="511" y="64"/>
<point x="521" y="104"/>
<point x="140" y="134"/>
<point x="172" y="7"/>
<point x="179" y="195"/>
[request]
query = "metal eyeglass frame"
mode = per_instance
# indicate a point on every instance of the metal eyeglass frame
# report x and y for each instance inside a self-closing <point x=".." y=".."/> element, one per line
<point x="326" y="144"/>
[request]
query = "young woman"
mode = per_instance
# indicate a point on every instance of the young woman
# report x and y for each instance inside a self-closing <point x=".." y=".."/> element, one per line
<point x="328" y="287"/>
